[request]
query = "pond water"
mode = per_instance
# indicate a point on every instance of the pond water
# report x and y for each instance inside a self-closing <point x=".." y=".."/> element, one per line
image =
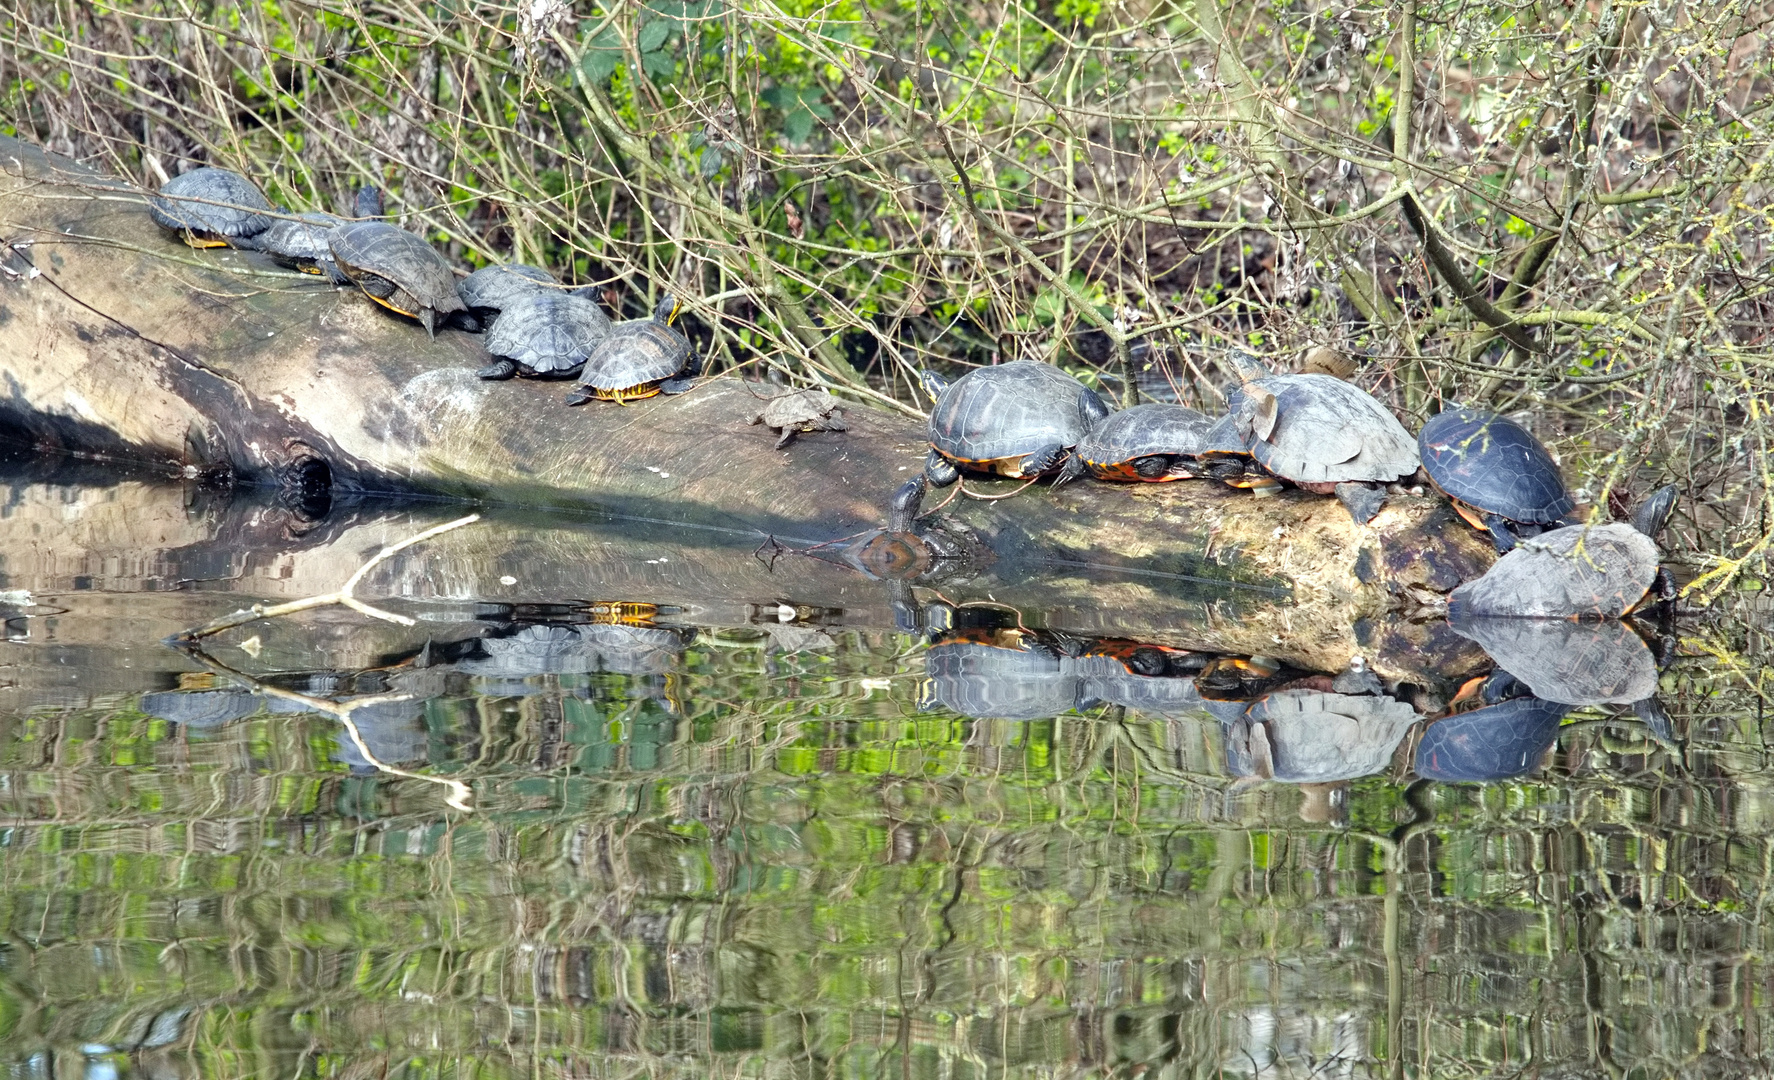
<point x="626" y="802"/>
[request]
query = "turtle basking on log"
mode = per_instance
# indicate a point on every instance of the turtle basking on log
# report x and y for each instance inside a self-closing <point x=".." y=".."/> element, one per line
<point x="397" y="270"/>
<point x="210" y="207"/>
<point x="1020" y="419"/>
<point x="799" y="411"/>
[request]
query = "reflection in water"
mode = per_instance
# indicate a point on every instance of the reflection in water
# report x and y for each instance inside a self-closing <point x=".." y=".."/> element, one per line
<point x="745" y="826"/>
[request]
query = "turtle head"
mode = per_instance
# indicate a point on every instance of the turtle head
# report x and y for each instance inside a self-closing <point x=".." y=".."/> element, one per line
<point x="1652" y="514"/>
<point x="667" y="310"/>
<point x="932" y="383"/>
<point x="1247" y="367"/>
<point x="368" y="203"/>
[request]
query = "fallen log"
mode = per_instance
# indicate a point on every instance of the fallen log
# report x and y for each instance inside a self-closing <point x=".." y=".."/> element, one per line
<point x="123" y="343"/>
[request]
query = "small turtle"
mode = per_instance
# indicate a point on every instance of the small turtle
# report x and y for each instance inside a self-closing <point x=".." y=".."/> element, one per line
<point x="640" y="358"/>
<point x="201" y="708"/>
<point x="1148" y="443"/>
<point x="211" y="207"/>
<point x="1500" y="478"/>
<point x="1019" y="419"/>
<point x="303" y="241"/>
<point x="544" y="333"/>
<point x="396" y="269"/>
<point x="489" y="289"/>
<point x="801" y="410"/>
<point x="1575" y="571"/>
<point x="1310" y="736"/>
<point x="1322" y="435"/>
<point x="1110" y="680"/>
<point x="1496" y="742"/>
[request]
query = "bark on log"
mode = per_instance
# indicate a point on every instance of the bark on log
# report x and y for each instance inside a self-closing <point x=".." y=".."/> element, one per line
<point x="128" y="344"/>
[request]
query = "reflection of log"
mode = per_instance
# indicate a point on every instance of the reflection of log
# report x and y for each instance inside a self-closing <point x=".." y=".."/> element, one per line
<point x="132" y="345"/>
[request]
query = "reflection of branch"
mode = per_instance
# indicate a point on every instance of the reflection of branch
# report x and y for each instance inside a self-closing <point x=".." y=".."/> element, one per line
<point x="343" y="595"/>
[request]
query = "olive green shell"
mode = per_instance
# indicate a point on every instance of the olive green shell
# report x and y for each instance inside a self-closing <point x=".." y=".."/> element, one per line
<point x="548" y="333"/>
<point x="236" y="221"/>
<point x="395" y="255"/>
<point x="637" y="352"/>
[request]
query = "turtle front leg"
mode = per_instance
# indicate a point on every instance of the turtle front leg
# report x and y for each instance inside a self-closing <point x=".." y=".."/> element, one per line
<point x="1501" y="534"/>
<point x="1362" y="501"/>
<point x="1044" y="459"/>
<point x="902" y="510"/>
<point x="684" y="379"/>
<point x="1152" y="466"/>
<point x="498" y="369"/>
<point x="1072" y="469"/>
<point x="580" y="395"/>
<point x="330" y="270"/>
<point x="940" y="471"/>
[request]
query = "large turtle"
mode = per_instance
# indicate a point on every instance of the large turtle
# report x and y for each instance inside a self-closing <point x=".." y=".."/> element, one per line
<point x="1019" y="419"/>
<point x="1310" y="736"/>
<point x="1498" y="475"/>
<point x="639" y="358"/>
<point x="1493" y="743"/>
<point x="1568" y="661"/>
<point x="1322" y="435"/>
<point x="304" y="241"/>
<point x="396" y="269"/>
<point x="544" y="333"/>
<point x="537" y="649"/>
<point x="489" y="289"/>
<point x="1148" y="443"/>
<point x="981" y="680"/>
<point x="1601" y="571"/>
<point x="211" y="207"/>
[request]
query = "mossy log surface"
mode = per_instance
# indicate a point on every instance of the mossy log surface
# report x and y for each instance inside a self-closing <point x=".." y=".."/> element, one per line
<point x="120" y="341"/>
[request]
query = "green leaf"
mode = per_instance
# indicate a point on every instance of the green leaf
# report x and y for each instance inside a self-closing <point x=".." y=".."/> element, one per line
<point x="653" y="35"/>
<point x="659" y="64"/>
<point x="601" y="55"/>
<point x="799" y="106"/>
<point x="797" y="125"/>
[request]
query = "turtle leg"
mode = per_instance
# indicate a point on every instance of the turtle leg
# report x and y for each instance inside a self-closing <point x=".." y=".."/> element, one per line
<point x="1044" y="459"/>
<point x="1362" y="501"/>
<point x="684" y="379"/>
<point x="902" y="510"/>
<point x="498" y="369"/>
<point x="1070" y="471"/>
<point x="330" y="270"/>
<point x="1656" y="719"/>
<point x="1152" y="466"/>
<point x="377" y="286"/>
<point x="940" y="470"/>
<point x="428" y="316"/>
<point x="580" y="395"/>
<point x="1501" y="534"/>
<point x="788" y="436"/>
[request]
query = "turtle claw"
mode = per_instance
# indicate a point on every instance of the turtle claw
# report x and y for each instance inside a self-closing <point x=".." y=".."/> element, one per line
<point x="580" y="396"/>
<point x="1501" y="535"/>
<point x="1044" y="459"/>
<point x="1362" y="501"/>
<point x="498" y="369"/>
<point x="940" y="471"/>
<point x="1070" y="471"/>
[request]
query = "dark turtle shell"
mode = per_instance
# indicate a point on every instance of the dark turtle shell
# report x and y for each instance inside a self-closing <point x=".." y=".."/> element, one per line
<point x="396" y="269"/>
<point x="635" y="360"/>
<point x="634" y="650"/>
<point x="1576" y="571"/>
<point x="539" y="649"/>
<point x="548" y="333"/>
<point x="1493" y="743"/>
<point x="993" y="417"/>
<point x="490" y="288"/>
<point x="1317" y="429"/>
<point x="1493" y="465"/>
<point x="986" y="681"/>
<point x="211" y="207"/>
<point x="1310" y="736"/>
<point x="1564" y="660"/>
<point x="301" y="241"/>
<point x="1107" y="679"/>
<point x="1147" y="442"/>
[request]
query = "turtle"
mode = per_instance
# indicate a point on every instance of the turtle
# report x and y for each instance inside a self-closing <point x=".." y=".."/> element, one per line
<point x="1567" y="661"/>
<point x="1498" y="476"/>
<point x="982" y="681"/>
<point x="1150" y="443"/>
<point x="800" y="411"/>
<point x="1311" y="736"/>
<point x="544" y="333"/>
<point x="634" y="650"/>
<point x="1225" y="457"/>
<point x="201" y="708"/>
<point x="303" y="241"/>
<point x="1020" y="419"/>
<point x="537" y="649"/>
<point x="1110" y="680"/>
<point x="640" y="358"/>
<point x="486" y="291"/>
<point x="211" y="207"/>
<point x="1577" y="571"/>
<point x="1496" y="742"/>
<point x="391" y="732"/>
<point x="396" y="269"/>
<point x="1322" y="435"/>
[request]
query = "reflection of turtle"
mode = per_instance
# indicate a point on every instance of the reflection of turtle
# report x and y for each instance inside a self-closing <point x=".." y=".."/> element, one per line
<point x="304" y="241"/>
<point x="1322" y="434"/>
<point x="201" y="708"/>
<point x="1019" y="419"/>
<point x="544" y="333"/>
<point x="211" y="207"/>
<point x="987" y="681"/>
<point x="801" y="410"/>
<point x="1498" y="475"/>
<point x="396" y="269"/>
<point x="1578" y="570"/>
<point x="1147" y="442"/>
<point x="393" y="732"/>
<point x="1109" y="679"/>
<point x="1309" y="736"/>
<point x="634" y="650"/>
<point x="541" y="649"/>
<point x="1563" y="660"/>
<point x="486" y="291"/>
<point x="639" y="358"/>
<point x="1492" y="743"/>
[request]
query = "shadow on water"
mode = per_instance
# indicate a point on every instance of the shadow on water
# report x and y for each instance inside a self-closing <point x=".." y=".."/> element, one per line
<point x="725" y="814"/>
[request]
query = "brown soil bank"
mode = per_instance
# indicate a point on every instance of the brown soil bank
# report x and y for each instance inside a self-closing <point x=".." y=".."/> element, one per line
<point x="117" y="339"/>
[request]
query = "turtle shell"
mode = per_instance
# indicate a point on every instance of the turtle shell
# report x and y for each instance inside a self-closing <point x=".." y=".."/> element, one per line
<point x="201" y="708"/>
<point x="1579" y="570"/>
<point x="999" y="414"/>
<point x="986" y="681"/>
<point x="1494" y="465"/>
<point x="638" y="353"/>
<point x="492" y="287"/>
<point x="1325" y="431"/>
<point x="395" y="255"/>
<point x="1563" y="660"/>
<point x="1492" y="743"/>
<point x="1106" y="679"/>
<point x="1309" y="736"/>
<point x="208" y="220"/>
<point x="548" y="333"/>
<point x="1110" y="448"/>
<point x="634" y="650"/>
<point x="534" y="650"/>
<point x="299" y="240"/>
